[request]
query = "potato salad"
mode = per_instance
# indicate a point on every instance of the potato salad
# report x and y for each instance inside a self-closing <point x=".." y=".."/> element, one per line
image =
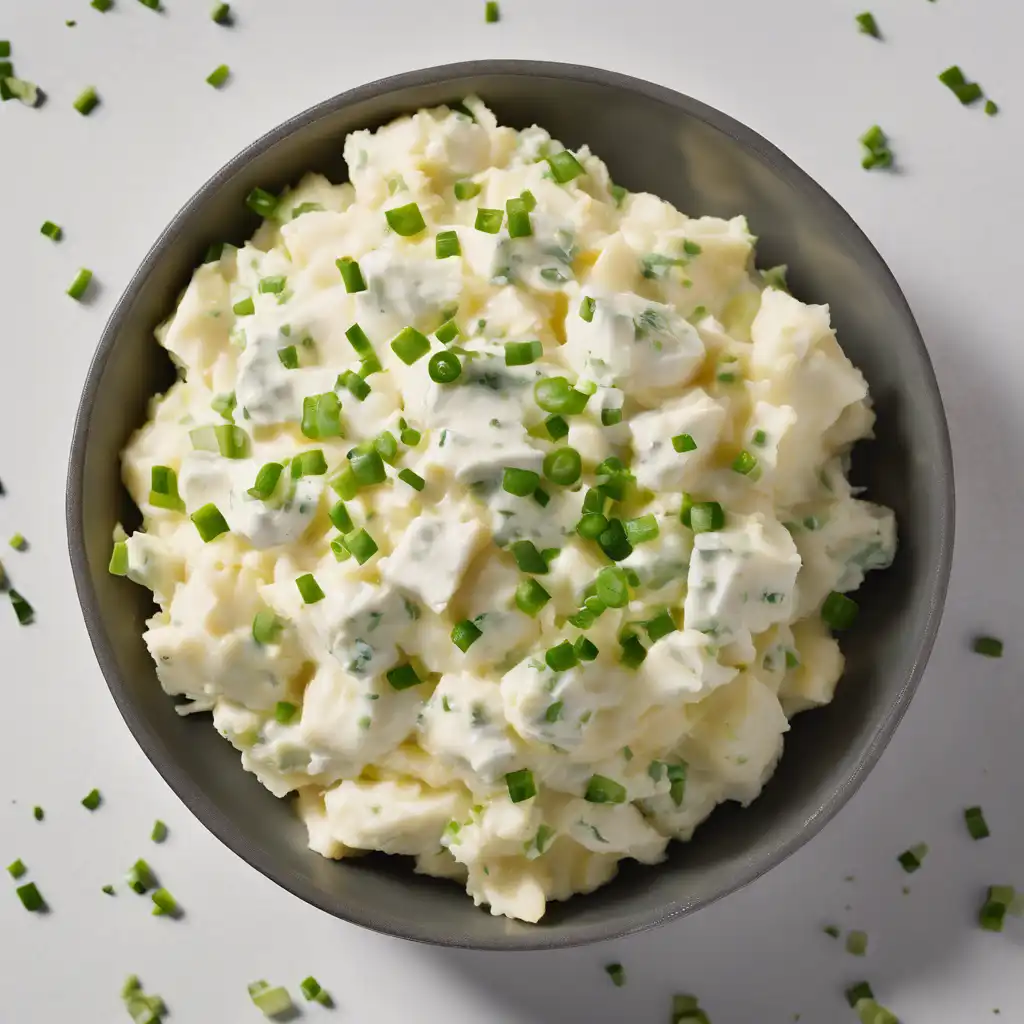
<point x="498" y="513"/>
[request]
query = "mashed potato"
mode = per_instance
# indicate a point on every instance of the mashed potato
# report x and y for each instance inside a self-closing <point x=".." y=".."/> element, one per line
<point x="500" y="514"/>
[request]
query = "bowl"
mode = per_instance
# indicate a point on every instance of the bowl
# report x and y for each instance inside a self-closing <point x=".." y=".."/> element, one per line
<point x="705" y="163"/>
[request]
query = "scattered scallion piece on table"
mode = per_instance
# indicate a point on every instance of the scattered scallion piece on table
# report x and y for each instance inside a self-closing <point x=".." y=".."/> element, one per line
<point x="221" y="14"/>
<point x="856" y="943"/>
<point x="140" y="878"/>
<point x="855" y="993"/>
<point x="272" y="1002"/>
<point x="991" y="108"/>
<point x="832" y="931"/>
<point x="989" y="646"/>
<point x="877" y="153"/>
<point x="87" y="101"/>
<point x="31" y="898"/>
<point x="92" y="800"/>
<point x="312" y="991"/>
<point x="159" y="833"/>
<point x="38" y="813"/>
<point x="218" y="76"/>
<point x="22" y="609"/>
<point x="954" y="80"/>
<point x="617" y="973"/>
<point x="492" y="12"/>
<point x="993" y="910"/>
<point x="17" y="869"/>
<point x="153" y="5"/>
<point x="80" y="284"/>
<point x="976" y="824"/>
<point x="142" y="1008"/>
<point x="102" y="5"/>
<point x="5" y="48"/>
<point x="18" y="542"/>
<point x="867" y="24"/>
<point x="165" y="905"/>
<point x="52" y="231"/>
<point x="910" y="860"/>
<point x="108" y="889"/>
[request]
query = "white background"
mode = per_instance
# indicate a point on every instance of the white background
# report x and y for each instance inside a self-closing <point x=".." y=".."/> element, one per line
<point x="949" y="225"/>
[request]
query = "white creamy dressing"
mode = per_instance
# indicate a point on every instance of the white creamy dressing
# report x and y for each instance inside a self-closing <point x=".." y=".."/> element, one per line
<point x="396" y="738"/>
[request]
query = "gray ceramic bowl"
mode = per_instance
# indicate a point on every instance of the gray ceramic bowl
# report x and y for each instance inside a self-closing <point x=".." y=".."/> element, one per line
<point x="704" y="162"/>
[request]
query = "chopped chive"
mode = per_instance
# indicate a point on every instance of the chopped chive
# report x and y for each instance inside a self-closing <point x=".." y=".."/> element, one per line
<point x="989" y="646"/>
<point x="564" y="166"/>
<point x="522" y="353"/>
<point x="910" y="860"/>
<point x="87" y="101"/>
<point x="38" y="813"/>
<point x="519" y="225"/>
<point x="855" y="993"/>
<point x="868" y="25"/>
<point x="22" y="609"/>
<point x="309" y="588"/>
<point x="561" y="657"/>
<point x="321" y="416"/>
<point x="361" y="343"/>
<point x="614" y="542"/>
<point x="642" y="529"/>
<point x="414" y="480"/>
<point x="221" y="14"/>
<point x="362" y="546"/>
<point x="557" y="427"/>
<point x="164" y="904"/>
<point x="266" y="627"/>
<point x="976" y="824"/>
<point x="520" y="482"/>
<point x="52" y="231"/>
<point x="409" y="345"/>
<point x="602" y="790"/>
<point x="17" y="869"/>
<point x="528" y="558"/>
<point x="447" y="332"/>
<point x="660" y="626"/>
<point x="266" y="480"/>
<point x="272" y="1002"/>
<point x="856" y="943"/>
<point x="489" y="221"/>
<point x="218" y="76"/>
<point x="447" y="244"/>
<point x="351" y="275"/>
<point x="30" y="897"/>
<point x="520" y="785"/>
<point x="402" y="677"/>
<point x="966" y="92"/>
<point x="556" y="394"/>
<point x="684" y="443"/>
<point x="244" y="307"/>
<point x="492" y="12"/>
<point x="633" y="652"/>
<point x="444" y="367"/>
<point x="563" y="466"/>
<point x="465" y="634"/>
<point x="744" y="463"/>
<point x="531" y="596"/>
<point x="466" y="190"/>
<point x="92" y="800"/>
<point x="262" y="202"/>
<point x="617" y="973"/>
<point x="405" y="220"/>
<point x="140" y="878"/>
<point x="285" y="711"/>
<point x="80" y="284"/>
<point x="838" y="610"/>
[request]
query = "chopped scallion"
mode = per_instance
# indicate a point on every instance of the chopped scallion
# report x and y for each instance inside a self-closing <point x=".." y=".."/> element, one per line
<point x="489" y="221"/>
<point x="466" y="190"/>
<point x="838" y="610"/>
<point x="522" y="353"/>
<point x="309" y="588"/>
<point x="266" y="481"/>
<point x="528" y="558"/>
<point x="989" y="646"/>
<point x="30" y="897"/>
<point x="221" y="14"/>
<point x="633" y="652"/>
<point x="867" y="24"/>
<point x="92" y="800"/>
<point x="447" y="244"/>
<point x="602" y="790"/>
<point x="976" y="824"/>
<point x="266" y="627"/>
<point x="520" y="482"/>
<point x="564" y="166"/>
<point x="362" y="546"/>
<point x="405" y="220"/>
<point x="444" y="367"/>
<point x="465" y="634"/>
<point x="414" y="480"/>
<point x="531" y="596"/>
<point x="684" y="443"/>
<point x="520" y="785"/>
<point x="409" y="345"/>
<point x="52" y="231"/>
<point x="17" y="869"/>
<point x="403" y="677"/>
<point x="80" y="284"/>
<point x="492" y="12"/>
<point x="87" y="101"/>
<point x="617" y="973"/>
<point x="262" y="202"/>
<point x="218" y="76"/>
<point x="910" y="860"/>
<point x="164" y="904"/>
<point x="856" y="943"/>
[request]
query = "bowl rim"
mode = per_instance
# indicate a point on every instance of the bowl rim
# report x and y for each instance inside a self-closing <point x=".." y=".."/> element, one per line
<point x="196" y="800"/>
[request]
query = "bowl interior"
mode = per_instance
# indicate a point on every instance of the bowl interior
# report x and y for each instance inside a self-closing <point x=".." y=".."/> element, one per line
<point x="653" y="140"/>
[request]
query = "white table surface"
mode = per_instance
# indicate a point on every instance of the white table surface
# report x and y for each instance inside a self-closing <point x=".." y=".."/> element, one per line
<point x="948" y="224"/>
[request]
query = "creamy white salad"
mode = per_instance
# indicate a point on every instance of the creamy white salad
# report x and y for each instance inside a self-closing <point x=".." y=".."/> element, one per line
<point x="498" y="513"/>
